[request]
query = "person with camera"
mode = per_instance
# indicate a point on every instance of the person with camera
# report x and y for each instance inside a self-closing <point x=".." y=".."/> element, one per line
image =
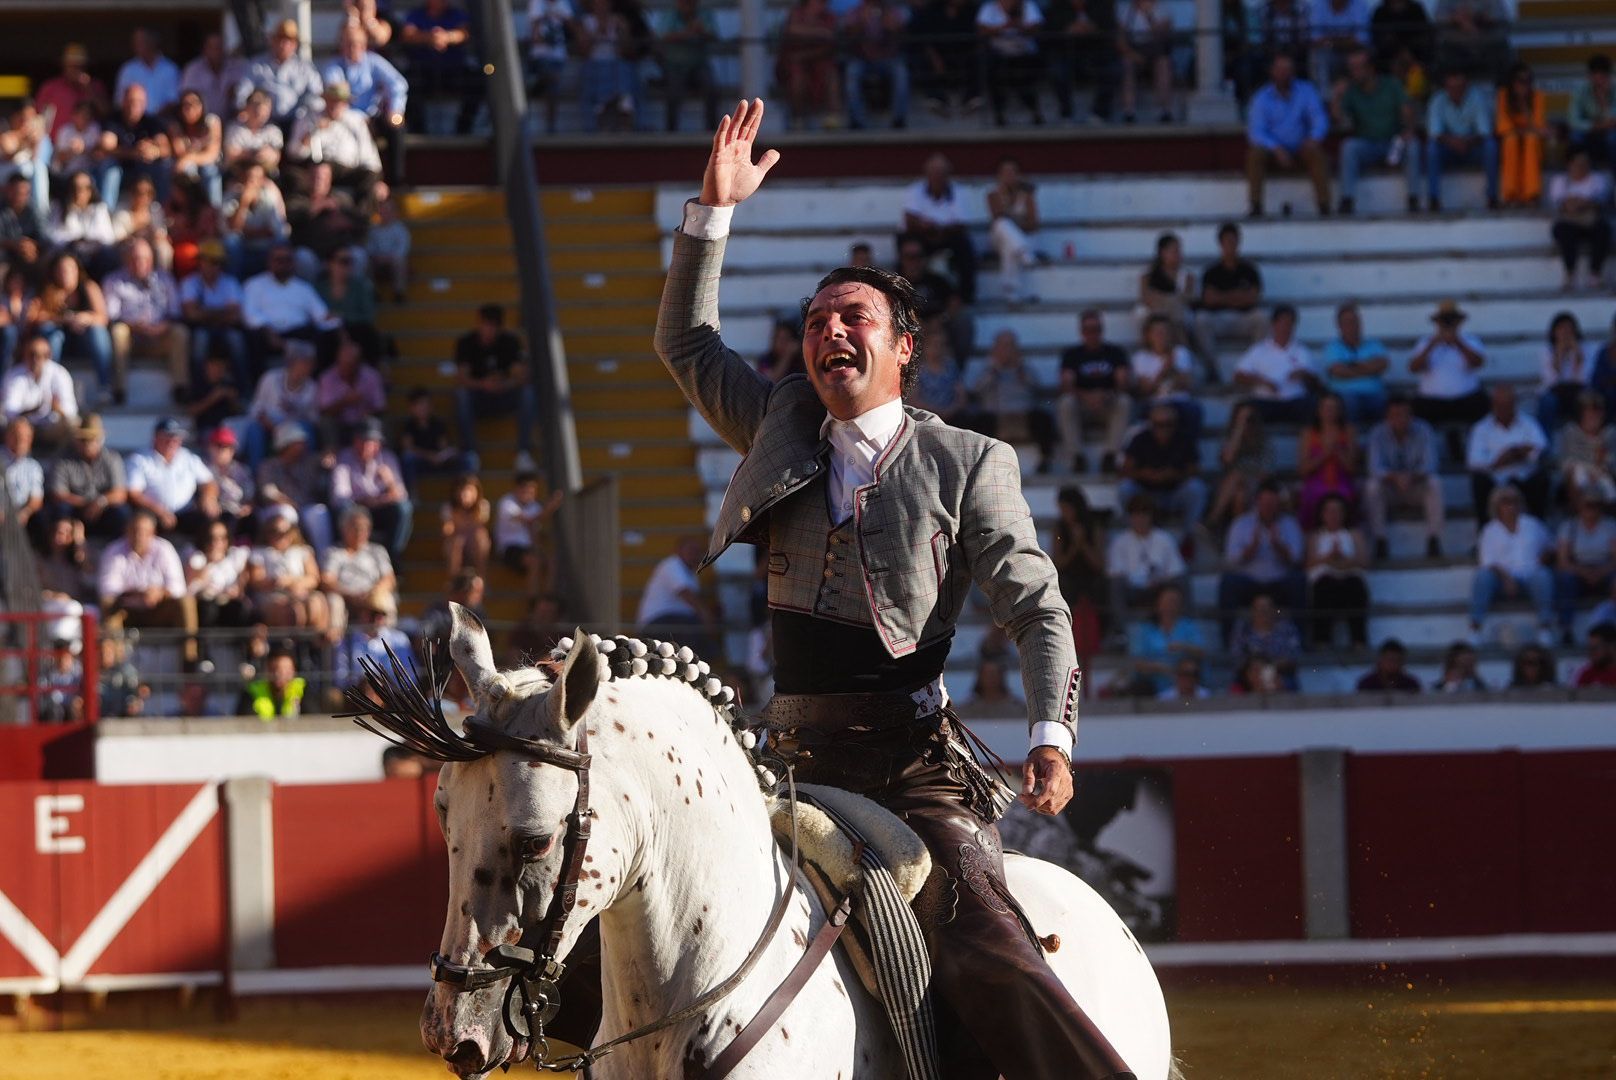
<point x="1447" y="363"/>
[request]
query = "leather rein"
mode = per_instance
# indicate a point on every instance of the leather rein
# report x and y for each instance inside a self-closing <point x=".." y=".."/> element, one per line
<point x="533" y="998"/>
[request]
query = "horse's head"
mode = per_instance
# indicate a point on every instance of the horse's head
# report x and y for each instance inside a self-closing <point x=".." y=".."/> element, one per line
<point x="504" y="819"/>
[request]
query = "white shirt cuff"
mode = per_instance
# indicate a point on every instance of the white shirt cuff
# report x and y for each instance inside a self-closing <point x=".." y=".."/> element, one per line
<point x="1049" y="733"/>
<point x="706" y="222"/>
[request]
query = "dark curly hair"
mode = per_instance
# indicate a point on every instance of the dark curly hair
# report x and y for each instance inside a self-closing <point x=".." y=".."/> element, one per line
<point x="901" y="298"/>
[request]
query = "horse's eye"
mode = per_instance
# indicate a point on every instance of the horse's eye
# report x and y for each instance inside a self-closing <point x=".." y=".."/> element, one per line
<point x="533" y="848"/>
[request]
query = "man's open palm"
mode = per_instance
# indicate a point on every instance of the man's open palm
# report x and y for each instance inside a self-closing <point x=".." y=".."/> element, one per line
<point x="731" y="174"/>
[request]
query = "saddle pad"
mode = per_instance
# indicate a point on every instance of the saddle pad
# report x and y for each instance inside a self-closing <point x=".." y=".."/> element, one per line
<point x="829" y="847"/>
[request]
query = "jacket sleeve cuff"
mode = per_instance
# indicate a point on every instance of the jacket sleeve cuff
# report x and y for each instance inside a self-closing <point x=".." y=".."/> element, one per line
<point x="1049" y="733"/>
<point x="706" y="222"/>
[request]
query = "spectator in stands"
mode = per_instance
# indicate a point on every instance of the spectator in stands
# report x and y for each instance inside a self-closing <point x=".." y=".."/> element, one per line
<point x="437" y="36"/>
<point x="134" y="144"/>
<point x="1278" y="372"/>
<point x="143" y="305"/>
<point x="24" y="229"/>
<point x="371" y="640"/>
<point x="491" y="380"/>
<point x="253" y="137"/>
<point x="141" y="583"/>
<point x="1161" y="462"/>
<point x="281" y="72"/>
<point x="1186" y="685"/>
<point x="673" y="606"/>
<point x="1264" y="632"/>
<point x="155" y="73"/>
<point x="1338" y="28"/>
<point x="376" y="90"/>
<point x="62" y="94"/>
<point x="1009" y="401"/>
<point x="1142" y="559"/>
<point x="1398" y="28"/>
<point x="533" y="639"/>
<point x="1506" y="447"/>
<point x="1581" y="201"/>
<point x="255" y="215"/>
<point x="1459" y="671"/>
<point x="939" y="300"/>
<point x="1263" y="553"/>
<point x="339" y="137"/>
<point x="1231" y="295"/>
<point x="1402" y="471"/>
<point x="350" y="392"/>
<point x="216" y="76"/>
<point x="424" y="445"/>
<point x="350" y="297"/>
<point x="1282" y="31"/>
<point x="283" y="579"/>
<point x="235" y="480"/>
<point x="1585" y="559"/>
<point x="287" y="394"/>
<point x="1585" y="452"/>
<point x="1338" y="588"/>
<point x="278" y="306"/>
<point x="1093" y="389"/>
<point x="943" y="60"/>
<point x="387" y="247"/>
<point x="1145" y="43"/>
<point x="1078" y="552"/>
<point x="25" y="148"/>
<point x="874" y="35"/>
<point x="1355" y="367"/>
<point x="197" y="139"/>
<point x="1446" y="362"/>
<point x="211" y="302"/>
<point x="215" y="396"/>
<point x="1459" y="131"/>
<point x="76" y="140"/>
<point x="142" y="217"/>
<point x="39" y="390"/>
<point x="63" y="568"/>
<point x="1600" y="670"/>
<point x="16" y="293"/>
<point x="1328" y="459"/>
<point x="1374" y="109"/>
<point x="291" y="485"/>
<point x="1522" y="130"/>
<point x="1286" y="125"/>
<point x="806" y="65"/>
<point x="216" y="577"/>
<point x="1163" y="372"/>
<point x="1013" y="65"/>
<point x="368" y="475"/>
<point x="1247" y="458"/>
<point x="551" y="25"/>
<point x="1013" y="208"/>
<point x="324" y="221"/>
<point x="1080" y="39"/>
<point x="22" y="476"/>
<point x="1511" y="560"/>
<point x="1533" y="668"/>
<point x="359" y="572"/>
<point x="1565" y="370"/>
<point x="1473" y="35"/>
<point x="934" y="214"/>
<point x="1390" y="674"/>
<point x="1168" y="288"/>
<point x="171" y="483"/>
<point x="520" y="517"/>
<point x="991" y="691"/>
<point x="1592" y="115"/>
<point x="279" y="694"/>
<point x="465" y="518"/>
<point x="1256" y="675"/>
<point x="87" y="482"/>
<point x="82" y="223"/>
<point x="466" y="589"/>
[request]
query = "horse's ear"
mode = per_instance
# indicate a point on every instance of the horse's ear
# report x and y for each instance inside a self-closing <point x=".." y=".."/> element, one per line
<point x="576" y="685"/>
<point x="473" y="656"/>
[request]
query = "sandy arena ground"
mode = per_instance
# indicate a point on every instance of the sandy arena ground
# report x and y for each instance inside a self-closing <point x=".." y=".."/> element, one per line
<point x="1249" y="1032"/>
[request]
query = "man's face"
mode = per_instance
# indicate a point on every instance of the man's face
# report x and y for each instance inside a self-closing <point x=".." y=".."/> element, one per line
<point x="357" y="532"/>
<point x="166" y="445"/>
<point x="140" y="259"/>
<point x="1600" y="80"/>
<point x="134" y="102"/>
<point x="1390" y="662"/>
<point x="89" y="446"/>
<point x="1284" y="327"/>
<point x="18" y="193"/>
<point x="1139" y="522"/>
<point x="38" y="355"/>
<point x="1283" y="72"/>
<point x="213" y="50"/>
<point x="1229" y="246"/>
<point x="280" y="263"/>
<point x="1456" y="85"/>
<point x="1006" y="350"/>
<point x="1092" y="331"/>
<point x="1163" y="424"/>
<point x="1399" y="417"/>
<point x="1350" y="323"/>
<point x="936" y="172"/>
<point x="19" y="437"/>
<point x="1504" y="404"/>
<point x="1267" y="505"/>
<point x="281" y="672"/>
<point x="367" y="448"/>
<point x="853" y="359"/>
<point x="348" y="358"/>
<point x="1359" y="69"/>
<point x="474" y="593"/>
<point x="353" y="42"/>
<point x="258" y="110"/>
<point x="487" y="331"/>
<point x="143" y="45"/>
<point x="912" y="261"/>
<point x="142" y="531"/>
<point x="282" y="46"/>
<point x="526" y="493"/>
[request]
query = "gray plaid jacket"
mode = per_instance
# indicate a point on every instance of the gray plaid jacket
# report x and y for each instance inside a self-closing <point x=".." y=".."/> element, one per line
<point x="945" y="508"/>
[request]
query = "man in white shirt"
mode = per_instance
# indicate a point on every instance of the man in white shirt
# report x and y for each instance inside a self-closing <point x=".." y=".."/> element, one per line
<point x="1278" y="372"/>
<point x="1506" y="447"/>
<point x="40" y="389"/>
<point x="172" y="484"/>
<point x="1511" y="558"/>
<point x="21" y="472"/>
<point x="151" y="69"/>
<point x="934" y="214"/>
<point x="672" y="606"/>
<point x="277" y="305"/>
<point x="142" y="583"/>
<point x="339" y="136"/>
<point x="1141" y="559"/>
<point x="1448" y="362"/>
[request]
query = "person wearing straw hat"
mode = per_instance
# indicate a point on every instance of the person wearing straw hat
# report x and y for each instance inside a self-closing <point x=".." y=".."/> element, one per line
<point x="1447" y="363"/>
<point x="87" y="482"/>
<point x="292" y="83"/>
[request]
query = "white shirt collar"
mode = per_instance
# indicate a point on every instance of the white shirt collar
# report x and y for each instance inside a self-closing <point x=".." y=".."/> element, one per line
<point x="877" y="426"/>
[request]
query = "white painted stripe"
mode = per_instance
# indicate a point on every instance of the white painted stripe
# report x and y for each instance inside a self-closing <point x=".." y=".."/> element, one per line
<point x="16" y="928"/>
<point x="29" y="985"/>
<point x="1214" y="953"/>
<point x="140" y="884"/>
<point x="157" y="981"/>
<point x="333" y="979"/>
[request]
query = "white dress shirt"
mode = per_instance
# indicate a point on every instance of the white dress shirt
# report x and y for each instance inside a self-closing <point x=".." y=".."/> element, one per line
<point x="1449" y="374"/>
<point x="1489" y="438"/>
<point x="855" y="445"/>
<point x="23" y="395"/>
<point x="1282" y="365"/>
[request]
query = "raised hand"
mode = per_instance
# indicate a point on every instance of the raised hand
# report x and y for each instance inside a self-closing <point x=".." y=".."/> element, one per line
<point x="731" y="174"/>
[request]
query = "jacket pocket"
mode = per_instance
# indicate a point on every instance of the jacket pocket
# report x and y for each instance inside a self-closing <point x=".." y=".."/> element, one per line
<point x="939" y="559"/>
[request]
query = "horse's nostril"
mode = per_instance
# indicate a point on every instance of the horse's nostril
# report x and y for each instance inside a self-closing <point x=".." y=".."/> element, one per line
<point x="467" y="1054"/>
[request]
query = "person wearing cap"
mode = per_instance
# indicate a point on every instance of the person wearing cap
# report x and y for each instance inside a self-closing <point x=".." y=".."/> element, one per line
<point x="235" y="481"/>
<point x="292" y="83"/>
<point x="156" y="73"/>
<point x="141" y="582"/>
<point x="278" y="306"/>
<point x="340" y="137"/>
<point x="87" y="481"/>
<point x="284" y="395"/>
<point x="1447" y="362"/>
<point x="23" y="476"/>
<point x="367" y="474"/>
<point x="170" y="482"/>
<point x="376" y="89"/>
<point x="58" y="96"/>
<point x="436" y="35"/>
<point x="292" y="485"/>
<point x="216" y="75"/>
<point x="1507" y="447"/>
<point x="39" y="388"/>
<point x="1389" y="674"/>
<point x="143" y="306"/>
<point x="211" y="302"/>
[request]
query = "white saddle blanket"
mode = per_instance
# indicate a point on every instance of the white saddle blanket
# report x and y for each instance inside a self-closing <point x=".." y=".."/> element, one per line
<point x="827" y="847"/>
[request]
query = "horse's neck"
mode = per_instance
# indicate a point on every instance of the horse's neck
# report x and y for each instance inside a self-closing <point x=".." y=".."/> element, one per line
<point x="699" y="894"/>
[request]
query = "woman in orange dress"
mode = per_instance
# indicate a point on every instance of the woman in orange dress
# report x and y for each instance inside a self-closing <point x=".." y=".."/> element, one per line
<point x="1522" y="127"/>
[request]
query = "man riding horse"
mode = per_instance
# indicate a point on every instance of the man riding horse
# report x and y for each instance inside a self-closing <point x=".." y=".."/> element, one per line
<point x="877" y="518"/>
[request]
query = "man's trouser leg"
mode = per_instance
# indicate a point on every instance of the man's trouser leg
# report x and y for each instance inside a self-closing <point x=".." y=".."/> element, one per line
<point x="1256" y="172"/>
